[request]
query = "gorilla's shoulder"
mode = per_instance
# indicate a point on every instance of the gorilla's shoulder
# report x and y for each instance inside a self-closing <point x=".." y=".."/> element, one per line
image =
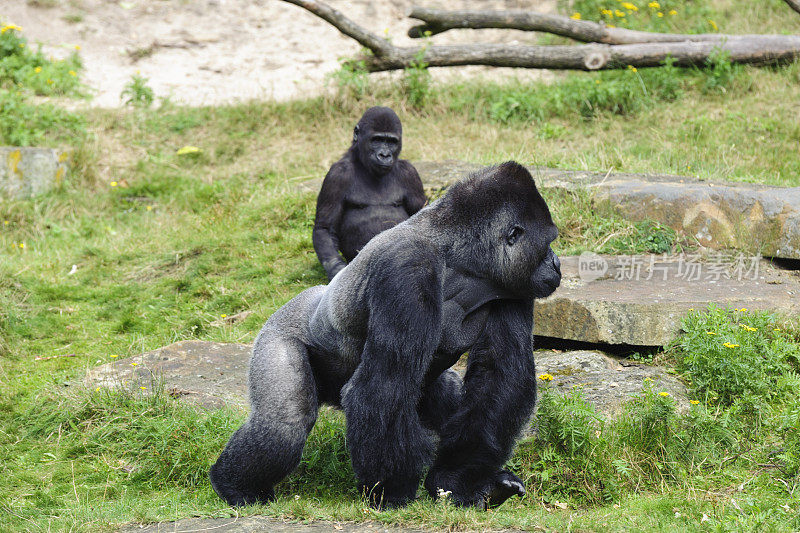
<point x="401" y="252"/>
<point x="405" y="166"/>
<point x="341" y="171"/>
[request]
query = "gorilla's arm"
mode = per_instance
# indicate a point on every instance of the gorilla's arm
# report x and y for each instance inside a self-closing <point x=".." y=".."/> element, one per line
<point x="388" y="444"/>
<point x="415" y="194"/>
<point x="330" y="205"/>
<point x="498" y="398"/>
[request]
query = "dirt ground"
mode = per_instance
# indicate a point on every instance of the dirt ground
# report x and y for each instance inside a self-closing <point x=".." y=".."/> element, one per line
<point x="202" y="52"/>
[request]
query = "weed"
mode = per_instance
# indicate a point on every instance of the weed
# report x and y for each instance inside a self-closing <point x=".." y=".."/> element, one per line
<point x="417" y="79"/>
<point x="137" y="93"/>
<point x="732" y="355"/>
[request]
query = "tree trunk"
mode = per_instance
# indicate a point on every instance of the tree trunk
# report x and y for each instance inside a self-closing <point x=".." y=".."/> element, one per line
<point x="438" y="21"/>
<point x="754" y="49"/>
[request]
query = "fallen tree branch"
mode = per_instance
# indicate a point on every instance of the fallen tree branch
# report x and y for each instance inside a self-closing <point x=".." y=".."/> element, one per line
<point x="753" y="49"/>
<point x="794" y="4"/>
<point x="439" y="20"/>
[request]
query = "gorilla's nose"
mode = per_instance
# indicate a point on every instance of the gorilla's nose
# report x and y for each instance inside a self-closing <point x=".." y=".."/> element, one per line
<point x="557" y="264"/>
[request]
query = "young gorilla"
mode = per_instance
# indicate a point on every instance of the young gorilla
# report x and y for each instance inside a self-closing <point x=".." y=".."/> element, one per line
<point x="367" y="191"/>
<point x="460" y="275"/>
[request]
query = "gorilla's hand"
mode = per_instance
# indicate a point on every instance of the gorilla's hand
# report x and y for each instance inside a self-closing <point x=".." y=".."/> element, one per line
<point x="487" y="495"/>
<point x="504" y="486"/>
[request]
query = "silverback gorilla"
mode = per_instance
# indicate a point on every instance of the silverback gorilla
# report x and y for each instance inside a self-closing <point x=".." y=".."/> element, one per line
<point x="367" y="191"/>
<point x="459" y="276"/>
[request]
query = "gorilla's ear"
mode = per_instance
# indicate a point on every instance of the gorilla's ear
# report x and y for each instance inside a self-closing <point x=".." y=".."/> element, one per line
<point x="355" y="134"/>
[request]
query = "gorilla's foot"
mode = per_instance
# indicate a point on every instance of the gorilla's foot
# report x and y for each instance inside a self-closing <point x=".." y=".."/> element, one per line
<point x="236" y="496"/>
<point x="505" y="486"/>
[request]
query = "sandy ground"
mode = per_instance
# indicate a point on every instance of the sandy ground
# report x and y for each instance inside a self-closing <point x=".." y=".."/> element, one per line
<point x="215" y="51"/>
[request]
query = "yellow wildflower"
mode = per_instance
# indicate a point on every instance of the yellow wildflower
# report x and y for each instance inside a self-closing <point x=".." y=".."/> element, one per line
<point x="694" y="402"/>
<point x="113" y="183"/>
<point x="632" y="68"/>
<point x="597" y="82"/>
<point x="607" y="12"/>
<point x="619" y="13"/>
<point x="5" y="222"/>
<point x="648" y="380"/>
<point x="546" y="377"/>
<point x="134" y="364"/>
<point x="653" y="5"/>
<point x="22" y="45"/>
<point x="711" y="332"/>
<point x="673" y="12"/>
<point x="629" y="6"/>
<point x="776" y="330"/>
<point x="576" y="16"/>
<point x="49" y="82"/>
<point x="22" y="245"/>
<point x="223" y="315"/>
<point x="663" y="394"/>
<point x="188" y="150"/>
<point x="713" y="24"/>
<point x="743" y="309"/>
<point x="73" y="73"/>
<point x="114" y="355"/>
<point x="149" y="208"/>
<point x="660" y="14"/>
<point x="9" y="27"/>
<point x="97" y="389"/>
<point x="143" y="388"/>
<point x="77" y="47"/>
<point x="610" y="26"/>
<point x="730" y="345"/>
<point x="748" y="328"/>
<point x="37" y="70"/>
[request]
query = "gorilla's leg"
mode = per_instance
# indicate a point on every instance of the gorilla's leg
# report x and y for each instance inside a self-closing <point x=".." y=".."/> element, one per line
<point x="499" y="395"/>
<point x="440" y="400"/>
<point x="268" y="446"/>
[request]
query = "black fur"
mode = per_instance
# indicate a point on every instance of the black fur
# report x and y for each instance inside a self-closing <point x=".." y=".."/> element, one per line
<point x="367" y="191"/>
<point x="459" y="276"/>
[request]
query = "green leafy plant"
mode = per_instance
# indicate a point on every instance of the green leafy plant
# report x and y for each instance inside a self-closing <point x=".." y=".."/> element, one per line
<point x="137" y="93"/>
<point x="351" y="79"/>
<point x="22" y="68"/>
<point x="732" y="354"/>
<point x="417" y="79"/>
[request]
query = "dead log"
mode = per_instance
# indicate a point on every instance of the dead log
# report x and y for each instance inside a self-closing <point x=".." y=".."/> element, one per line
<point x="752" y="49"/>
<point x="794" y="4"/>
<point x="439" y="20"/>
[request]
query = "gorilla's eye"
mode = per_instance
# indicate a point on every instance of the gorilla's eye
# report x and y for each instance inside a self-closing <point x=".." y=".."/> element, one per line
<point x="514" y="234"/>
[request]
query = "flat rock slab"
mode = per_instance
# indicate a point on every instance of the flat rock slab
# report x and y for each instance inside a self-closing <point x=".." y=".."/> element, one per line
<point x="607" y="382"/>
<point x="249" y="524"/>
<point x="214" y="374"/>
<point x="28" y="171"/>
<point x="756" y="218"/>
<point x="640" y="300"/>
<point x="211" y="374"/>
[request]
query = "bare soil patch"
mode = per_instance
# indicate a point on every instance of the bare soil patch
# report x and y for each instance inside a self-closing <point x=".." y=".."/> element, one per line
<point x="207" y="52"/>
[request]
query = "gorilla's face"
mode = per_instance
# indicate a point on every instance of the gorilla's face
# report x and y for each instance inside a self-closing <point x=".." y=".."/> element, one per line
<point x="530" y="265"/>
<point x="509" y="231"/>
<point x="378" y="137"/>
<point x="380" y="151"/>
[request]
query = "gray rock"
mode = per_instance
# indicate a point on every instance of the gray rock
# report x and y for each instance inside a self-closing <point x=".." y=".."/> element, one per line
<point x="605" y="381"/>
<point x="641" y="300"/>
<point x="28" y="171"/>
<point x="214" y="374"/>
<point x="211" y="374"/>
<point x="247" y="524"/>
<point x="754" y="218"/>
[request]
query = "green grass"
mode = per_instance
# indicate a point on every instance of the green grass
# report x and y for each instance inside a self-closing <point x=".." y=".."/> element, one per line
<point x="163" y="244"/>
